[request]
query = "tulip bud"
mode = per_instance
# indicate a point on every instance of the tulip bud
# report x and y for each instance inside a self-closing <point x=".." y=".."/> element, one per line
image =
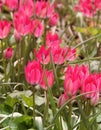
<point x="8" y="53"/>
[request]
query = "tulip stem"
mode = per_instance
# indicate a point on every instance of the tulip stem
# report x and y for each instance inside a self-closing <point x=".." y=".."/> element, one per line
<point x="69" y="116"/>
<point x="33" y="105"/>
<point x="19" y="60"/>
<point x="46" y="108"/>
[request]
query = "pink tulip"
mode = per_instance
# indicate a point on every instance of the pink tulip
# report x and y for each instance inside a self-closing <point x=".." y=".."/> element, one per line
<point x="53" y="20"/>
<point x="91" y="86"/>
<point x="70" y="54"/>
<point x="60" y="55"/>
<point x="22" y="24"/>
<point x="88" y="7"/>
<point x="52" y="40"/>
<point x="33" y="72"/>
<point x="47" y="79"/>
<point x="17" y="35"/>
<point x="85" y="6"/>
<point x="4" y="28"/>
<point x="43" y="55"/>
<point x="11" y="4"/>
<point x="1" y="3"/>
<point x="43" y="9"/>
<point x="97" y="4"/>
<point x="62" y="99"/>
<point x="26" y="7"/>
<point x="98" y="77"/>
<point x="74" y="78"/>
<point x="8" y="53"/>
<point x="38" y="28"/>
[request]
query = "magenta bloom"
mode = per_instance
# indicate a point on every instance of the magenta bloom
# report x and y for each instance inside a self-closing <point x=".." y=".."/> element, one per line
<point x="11" y="4"/>
<point x="4" y="28"/>
<point x="74" y="78"/>
<point x="22" y="24"/>
<point x="37" y="28"/>
<point x="91" y="84"/>
<point x="53" y="20"/>
<point x="26" y="8"/>
<point x="33" y="72"/>
<point x="88" y="7"/>
<point x="60" y="55"/>
<point x="47" y="79"/>
<point x="43" y="9"/>
<point x="52" y="40"/>
<point x="1" y="3"/>
<point x="42" y="55"/>
<point x="8" y="53"/>
<point x="62" y="99"/>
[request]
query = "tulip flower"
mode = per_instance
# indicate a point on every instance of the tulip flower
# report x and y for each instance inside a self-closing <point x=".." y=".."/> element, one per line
<point x="8" y="53"/>
<point x="33" y="72"/>
<point x="4" y="28"/>
<point x="47" y="79"/>
<point x="52" y="40"/>
<point x="91" y="87"/>
<point x="42" y="55"/>
<point x="53" y="20"/>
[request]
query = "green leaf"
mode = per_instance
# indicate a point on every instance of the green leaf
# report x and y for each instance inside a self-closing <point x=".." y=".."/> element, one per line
<point x="11" y="101"/>
<point x="28" y="100"/>
<point x="93" y="30"/>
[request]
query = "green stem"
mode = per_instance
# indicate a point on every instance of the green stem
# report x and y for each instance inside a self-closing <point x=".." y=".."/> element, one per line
<point x="19" y="60"/>
<point x="33" y="105"/>
<point x="45" y="119"/>
<point x="94" y="37"/>
<point x="69" y="116"/>
<point x="63" y="106"/>
<point x="54" y="70"/>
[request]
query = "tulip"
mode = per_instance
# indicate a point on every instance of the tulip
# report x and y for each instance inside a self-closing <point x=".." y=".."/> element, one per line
<point x="91" y="87"/>
<point x="53" y="20"/>
<point x="52" y="40"/>
<point x="62" y="99"/>
<point x="4" y="28"/>
<point x="42" y="55"/>
<point x="38" y="28"/>
<point x="33" y="72"/>
<point x="8" y="53"/>
<point x="47" y="79"/>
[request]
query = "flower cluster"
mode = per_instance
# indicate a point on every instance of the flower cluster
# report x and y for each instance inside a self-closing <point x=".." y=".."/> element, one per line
<point x="36" y="75"/>
<point x="78" y="80"/>
<point x="88" y="7"/>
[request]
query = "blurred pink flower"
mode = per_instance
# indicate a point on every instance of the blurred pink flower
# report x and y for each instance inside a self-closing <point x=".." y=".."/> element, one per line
<point x="53" y="20"/>
<point x="4" y="28"/>
<point x="47" y="79"/>
<point x="60" y="55"/>
<point x="42" y="55"/>
<point x="62" y="99"/>
<point x="74" y="78"/>
<point x="26" y="8"/>
<point x="1" y="3"/>
<point x="8" y="52"/>
<point x="52" y="40"/>
<point x="97" y="4"/>
<point x="12" y="4"/>
<point x="91" y="84"/>
<point x="22" y="24"/>
<point x="43" y="9"/>
<point x="86" y="7"/>
<point x="33" y="72"/>
<point x="38" y="28"/>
